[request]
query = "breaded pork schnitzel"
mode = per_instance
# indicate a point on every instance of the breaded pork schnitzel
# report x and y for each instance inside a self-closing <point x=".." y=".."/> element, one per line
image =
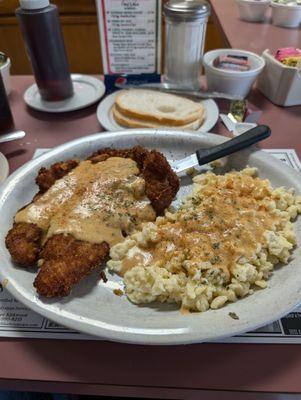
<point x="82" y="208"/>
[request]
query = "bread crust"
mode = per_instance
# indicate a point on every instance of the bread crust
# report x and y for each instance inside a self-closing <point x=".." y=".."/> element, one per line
<point x="160" y="119"/>
<point x="123" y="120"/>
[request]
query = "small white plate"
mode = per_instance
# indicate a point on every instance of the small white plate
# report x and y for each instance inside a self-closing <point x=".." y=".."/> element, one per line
<point x="105" y="115"/>
<point x="4" y="168"/>
<point x="87" y="90"/>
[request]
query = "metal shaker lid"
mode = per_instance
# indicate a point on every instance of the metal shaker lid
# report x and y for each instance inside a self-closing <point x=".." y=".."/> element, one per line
<point x="189" y="9"/>
<point x="33" y="4"/>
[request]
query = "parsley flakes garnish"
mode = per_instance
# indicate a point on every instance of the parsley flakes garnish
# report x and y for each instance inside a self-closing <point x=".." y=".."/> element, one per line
<point x="233" y="315"/>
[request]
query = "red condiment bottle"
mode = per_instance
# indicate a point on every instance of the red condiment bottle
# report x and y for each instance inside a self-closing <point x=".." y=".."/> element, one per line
<point x="41" y="29"/>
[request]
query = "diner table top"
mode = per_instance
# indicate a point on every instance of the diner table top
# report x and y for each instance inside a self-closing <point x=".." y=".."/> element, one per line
<point x="46" y="130"/>
<point x="223" y="371"/>
<point x="252" y="36"/>
<point x="99" y="367"/>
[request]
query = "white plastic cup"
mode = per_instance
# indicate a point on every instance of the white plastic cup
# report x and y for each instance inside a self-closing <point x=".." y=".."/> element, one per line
<point x="285" y="15"/>
<point x="232" y="82"/>
<point x="5" y="72"/>
<point x="252" y="10"/>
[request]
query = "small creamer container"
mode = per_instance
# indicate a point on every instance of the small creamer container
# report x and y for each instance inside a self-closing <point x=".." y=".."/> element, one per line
<point x="280" y="83"/>
<point x="185" y="31"/>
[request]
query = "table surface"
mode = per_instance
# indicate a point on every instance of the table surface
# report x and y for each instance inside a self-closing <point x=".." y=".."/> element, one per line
<point x="106" y="368"/>
<point x="47" y="130"/>
<point x="252" y="36"/>
<point x="173" y="372"/>
<point x="110" y="368"/>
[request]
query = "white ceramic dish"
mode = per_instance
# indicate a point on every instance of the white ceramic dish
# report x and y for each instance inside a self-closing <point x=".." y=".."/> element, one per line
<point x="105" y="115"/>
<point x="280" y="83"/>
<point x="285" y="15"/>
<point x="94" y="308"/>
<point x="87" y="91"/>
<point x="232" y="82"/>
<point x="4" y="168"/>
<point x="5" y="72"/>
<point x="252" y="10"/>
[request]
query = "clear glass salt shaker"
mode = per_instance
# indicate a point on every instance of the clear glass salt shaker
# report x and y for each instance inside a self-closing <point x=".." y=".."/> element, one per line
<point x="185" y="29"/>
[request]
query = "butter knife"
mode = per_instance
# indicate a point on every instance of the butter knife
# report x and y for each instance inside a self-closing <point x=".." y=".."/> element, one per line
<point x="12" y="136"/>
<point x="175" y="89"/>
<point x="204" y="156"/>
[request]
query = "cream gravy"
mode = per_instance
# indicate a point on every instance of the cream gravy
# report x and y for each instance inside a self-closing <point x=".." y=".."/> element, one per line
<point x="94" y="203"/>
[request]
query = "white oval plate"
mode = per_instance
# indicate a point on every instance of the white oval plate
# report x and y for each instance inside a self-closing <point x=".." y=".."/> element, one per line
<point x="87" y="91"/>
<point x="93" y="308"/>
<point x="4" y="168"/>
<point x="105" y="115"/>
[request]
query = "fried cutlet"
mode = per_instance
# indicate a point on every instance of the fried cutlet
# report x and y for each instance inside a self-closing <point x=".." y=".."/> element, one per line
<point x="161" y="183"/>
<point x="23" y="242"/>
<point x="47" y="176"/>
<point x="64" y="260"/>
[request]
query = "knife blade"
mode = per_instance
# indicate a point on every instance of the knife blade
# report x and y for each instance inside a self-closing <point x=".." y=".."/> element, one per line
<point x="204" y="156"/>
<point x="175" y="89"/>
<point x="228" y="122"/>
<point x="184" y="164"/>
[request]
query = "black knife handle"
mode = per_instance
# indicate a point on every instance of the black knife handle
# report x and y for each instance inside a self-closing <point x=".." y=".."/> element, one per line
<point x="246" y="139"/>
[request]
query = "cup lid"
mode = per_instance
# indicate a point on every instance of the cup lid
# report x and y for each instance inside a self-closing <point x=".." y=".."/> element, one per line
<point x="189" y="9"/>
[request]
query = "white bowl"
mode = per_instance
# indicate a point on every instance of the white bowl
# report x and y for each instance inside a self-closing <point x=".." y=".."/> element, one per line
<point x="285" y="15"/>
<point x="5" y="72"/>
<point x="252" y="10"/>
<point x="232" y="82"/>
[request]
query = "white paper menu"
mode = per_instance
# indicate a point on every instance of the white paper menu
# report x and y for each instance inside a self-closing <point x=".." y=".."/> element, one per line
<point x="16" y="320"/>
<point x="130" y="36"/>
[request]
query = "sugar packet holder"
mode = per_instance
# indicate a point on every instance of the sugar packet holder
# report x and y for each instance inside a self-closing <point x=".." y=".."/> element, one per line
<point x="280" y="83"/>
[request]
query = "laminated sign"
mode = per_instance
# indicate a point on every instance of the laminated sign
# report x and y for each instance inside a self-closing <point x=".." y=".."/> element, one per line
<point x="130" y="37"/>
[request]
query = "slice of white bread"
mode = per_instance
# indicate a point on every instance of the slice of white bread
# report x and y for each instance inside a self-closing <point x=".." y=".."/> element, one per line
<point x="159" y="107"/>
<point x="129" y="122"/>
